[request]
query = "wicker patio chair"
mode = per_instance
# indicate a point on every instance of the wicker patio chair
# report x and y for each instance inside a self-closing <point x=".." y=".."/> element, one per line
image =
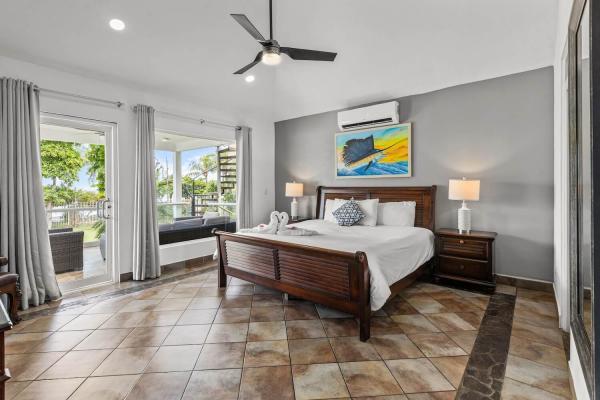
<point x="67" y="250"/>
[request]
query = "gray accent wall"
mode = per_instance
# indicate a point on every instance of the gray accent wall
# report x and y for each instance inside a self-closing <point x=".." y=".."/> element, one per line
<point x="499" y="131"/>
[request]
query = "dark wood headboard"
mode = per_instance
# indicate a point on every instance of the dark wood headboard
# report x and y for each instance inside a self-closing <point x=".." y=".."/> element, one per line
<point x="424" y="196"/>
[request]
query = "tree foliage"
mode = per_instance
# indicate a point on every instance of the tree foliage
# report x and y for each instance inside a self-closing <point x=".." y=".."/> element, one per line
<point x="61" y="162"/>
<point x="204" y="165"/>
<point x="96" y="167"/>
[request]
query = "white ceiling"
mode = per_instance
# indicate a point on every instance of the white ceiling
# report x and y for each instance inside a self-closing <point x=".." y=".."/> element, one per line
<point x="189" y="48"/>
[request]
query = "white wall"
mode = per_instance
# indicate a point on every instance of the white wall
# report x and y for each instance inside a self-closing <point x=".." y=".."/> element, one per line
<point x="561" y="260"/>
<point x="262" y="131"/>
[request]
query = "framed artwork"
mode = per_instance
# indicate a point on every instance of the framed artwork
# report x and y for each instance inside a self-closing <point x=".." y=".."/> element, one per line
<point x="382" y="152"/>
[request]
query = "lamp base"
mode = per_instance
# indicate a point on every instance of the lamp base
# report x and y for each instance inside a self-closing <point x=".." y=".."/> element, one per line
<point x="294" y="209"/>
<point x="464" y="219"/>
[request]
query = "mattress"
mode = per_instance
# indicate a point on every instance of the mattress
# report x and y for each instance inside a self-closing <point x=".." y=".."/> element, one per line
<point x="393" y="252"/>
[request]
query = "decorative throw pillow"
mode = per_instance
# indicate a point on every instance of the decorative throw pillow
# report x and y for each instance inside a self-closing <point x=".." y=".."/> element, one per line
<point x="348" y="214"/>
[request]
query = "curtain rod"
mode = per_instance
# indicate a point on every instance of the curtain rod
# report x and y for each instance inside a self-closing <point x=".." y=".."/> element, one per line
<point x="201" y="121"/>
<point x="118" y="104"/>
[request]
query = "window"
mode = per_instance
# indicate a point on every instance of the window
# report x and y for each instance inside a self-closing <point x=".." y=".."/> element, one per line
<point x="195" y="186"/>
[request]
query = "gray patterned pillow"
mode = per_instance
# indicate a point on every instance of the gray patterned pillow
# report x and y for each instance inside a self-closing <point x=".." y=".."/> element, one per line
<point x="348" y="214"/>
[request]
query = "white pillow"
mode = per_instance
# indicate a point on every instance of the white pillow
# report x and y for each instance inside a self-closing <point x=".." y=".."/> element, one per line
<point x="330" y="206"/>
<point x="368" y="207"/>
<point x="400" y="213"/>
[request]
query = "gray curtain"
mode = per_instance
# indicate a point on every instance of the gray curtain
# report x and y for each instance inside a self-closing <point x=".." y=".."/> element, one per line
<point x="23" y="226"/>
<point x="244" y="177"/>
<point x="146" y="262"/>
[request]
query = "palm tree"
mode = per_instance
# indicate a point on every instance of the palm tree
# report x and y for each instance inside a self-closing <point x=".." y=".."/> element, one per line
<point x="204" y="165"/>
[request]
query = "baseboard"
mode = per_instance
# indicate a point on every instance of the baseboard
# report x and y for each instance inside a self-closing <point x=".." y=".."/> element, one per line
<point x="525" y="283"/>
<point x="194" y="262"/>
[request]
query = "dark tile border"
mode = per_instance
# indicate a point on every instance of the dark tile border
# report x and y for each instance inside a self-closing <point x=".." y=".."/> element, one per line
<point x="141" y="285"/>
<point x="484" y="374"/>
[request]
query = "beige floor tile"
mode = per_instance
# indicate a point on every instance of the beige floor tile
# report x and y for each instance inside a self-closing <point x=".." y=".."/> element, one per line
<point x="552" y="337"/>
<point x="310" y="351"/>
<point x="449" y="395"/>
<point x="465" y="339"/>
<point x="49" y="323"/>
<point x="450" y="322"/>
<point x="83" y="322"/>
<point x="258" y="331"/>
<point x="392" y="347"/>
<point x="425" y="304"/>
<point x="266" y="354"/>
<point x="453" y="368"/>
<point x="105" y="388"/>
<point x="418" y="375"/>
<point x="514" y="390"/>
<point x="300" y="311"/>
<point x="197" y="317"/>
<point x="187" y="334"/>
<point x="414" y="323"/>
<point x="266" y="300"/>
<point x="266" y="314"/>
<point x="220" y="384"/>
<point x="369" y="378"/>
<point x="538" y="352"/>
<point x="201" y="303"/>
<point x="146" y="336"/>
<point x="174" y="358"/>
<point x="61" y="341"/>
<point x="182" y="293"/>
<point x="140" y="305"/>
<point x="340" y="327"/>
<point x="13" y="388"/>
<point x="240" y="301"/>
<point x="304" y="329"/>
<point x="221" y="356"/>
<point x="232" y="315"/>
<point x="326" y="312"/>
<point x="58" y="389"/>
<point x="173" y="304"/>
<point x="160" y="386"/>
<point x="399" y="306"/>
<point x="103" y="339"/>
<point x="210" y="292"/>
<point x="125" y="320"/>
<point x="240" y="289"/>
<point x="224" y="333"/>
<point x="27" y="367"/>
<point x="160" y="318"/>
<point x="318" y="381"/>
<point x="126" y="361"/>
<point x="76" y="364"/>
<point x="266" y="383"/>
<point x="553" y="380"/>
<point x="23" y="342"/>
<point x="436" y="345"/>
<point x="352" y="349"/>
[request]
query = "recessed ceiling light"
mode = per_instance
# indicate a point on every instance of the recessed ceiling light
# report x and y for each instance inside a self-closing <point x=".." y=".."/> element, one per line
<point x="165" y="139"/>
<point x="249" y="78"/>
<point x="116" y="24"/>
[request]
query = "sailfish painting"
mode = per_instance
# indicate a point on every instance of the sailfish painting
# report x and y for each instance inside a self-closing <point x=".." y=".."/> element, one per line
<point x="377" y="152"/>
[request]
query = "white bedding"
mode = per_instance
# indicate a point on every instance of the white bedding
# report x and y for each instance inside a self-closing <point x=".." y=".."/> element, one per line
<point x="393" y="251"/>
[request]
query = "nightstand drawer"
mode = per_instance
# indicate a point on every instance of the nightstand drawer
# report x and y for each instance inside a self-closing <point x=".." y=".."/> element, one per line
<point x="466" y="268"/>
<point x="469" y="248"/>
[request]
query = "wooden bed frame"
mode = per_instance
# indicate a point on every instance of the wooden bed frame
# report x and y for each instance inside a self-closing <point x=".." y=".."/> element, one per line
<point x="336" y="279"/>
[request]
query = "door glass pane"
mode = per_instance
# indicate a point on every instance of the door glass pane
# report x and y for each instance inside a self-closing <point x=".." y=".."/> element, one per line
<point x="584" y="171"/>
<point x="74" y="180"/>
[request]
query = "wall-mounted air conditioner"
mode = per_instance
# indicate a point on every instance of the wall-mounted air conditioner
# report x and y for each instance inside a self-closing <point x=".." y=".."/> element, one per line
<point x="379" y="114"/>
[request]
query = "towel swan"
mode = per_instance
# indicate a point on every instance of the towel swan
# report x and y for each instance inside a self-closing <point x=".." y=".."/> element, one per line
<point x="271" y="228"/>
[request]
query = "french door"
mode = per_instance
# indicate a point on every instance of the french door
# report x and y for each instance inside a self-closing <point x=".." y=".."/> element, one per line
<point x="78" y="177"/>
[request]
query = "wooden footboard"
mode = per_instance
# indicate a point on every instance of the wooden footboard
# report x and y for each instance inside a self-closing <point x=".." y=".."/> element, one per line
<point x="336" y="279"/>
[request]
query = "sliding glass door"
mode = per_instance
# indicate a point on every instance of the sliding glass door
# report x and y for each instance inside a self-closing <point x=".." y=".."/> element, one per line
<point x="78" y="193"/>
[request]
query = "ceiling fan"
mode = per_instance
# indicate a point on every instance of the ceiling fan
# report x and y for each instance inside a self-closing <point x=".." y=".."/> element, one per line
<point x="271" y="52"/>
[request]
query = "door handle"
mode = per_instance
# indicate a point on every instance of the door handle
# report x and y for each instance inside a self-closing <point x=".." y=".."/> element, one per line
<point x="106" y="207"/>
<point x="99" y="207"/>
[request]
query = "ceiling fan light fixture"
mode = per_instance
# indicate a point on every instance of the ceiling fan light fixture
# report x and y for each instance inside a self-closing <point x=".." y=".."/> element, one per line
<point x="271" y="57"/>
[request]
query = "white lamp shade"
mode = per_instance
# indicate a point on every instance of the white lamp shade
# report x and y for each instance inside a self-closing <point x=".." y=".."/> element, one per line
<point x="463" y="189"/>
<point x="293" y="189"/>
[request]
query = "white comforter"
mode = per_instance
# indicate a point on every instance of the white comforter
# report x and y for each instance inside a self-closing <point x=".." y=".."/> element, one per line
<point x="393" y="252"/>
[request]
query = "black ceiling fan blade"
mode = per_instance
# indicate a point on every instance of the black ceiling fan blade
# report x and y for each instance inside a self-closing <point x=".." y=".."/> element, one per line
<point x="252" y="64"/>
<point x="304" y="54"/>
<point x="248" y="26"/>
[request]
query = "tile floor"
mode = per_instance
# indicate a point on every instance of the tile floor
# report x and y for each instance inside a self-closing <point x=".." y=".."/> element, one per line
<point x="191" y="340"/>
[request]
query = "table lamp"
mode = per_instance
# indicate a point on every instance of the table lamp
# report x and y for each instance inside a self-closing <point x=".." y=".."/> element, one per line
<point x="294" y="190"/>
<point x="464" y="189"/>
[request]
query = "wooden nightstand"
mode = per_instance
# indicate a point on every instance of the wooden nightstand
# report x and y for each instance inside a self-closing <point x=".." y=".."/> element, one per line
<point x="465" y="258"/>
